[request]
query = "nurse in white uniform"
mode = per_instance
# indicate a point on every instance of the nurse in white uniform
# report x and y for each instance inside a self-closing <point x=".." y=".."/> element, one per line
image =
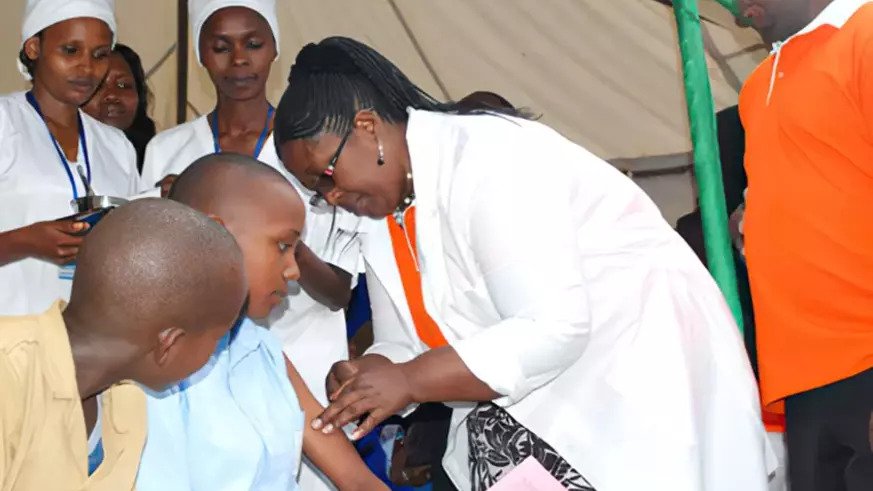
<point x="237" y="42"/>
<point x="46" y="140"/>
<point x="578" y="327"/>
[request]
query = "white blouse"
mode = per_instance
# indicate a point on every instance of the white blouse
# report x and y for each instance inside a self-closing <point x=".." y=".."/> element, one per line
<point x="35" y="187"/>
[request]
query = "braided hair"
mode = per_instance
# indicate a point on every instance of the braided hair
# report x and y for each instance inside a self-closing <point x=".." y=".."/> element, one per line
<point x="332" y="80"/>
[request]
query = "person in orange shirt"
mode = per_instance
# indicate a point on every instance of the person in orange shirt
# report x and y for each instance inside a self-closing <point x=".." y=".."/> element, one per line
<point x="808" y="115"/>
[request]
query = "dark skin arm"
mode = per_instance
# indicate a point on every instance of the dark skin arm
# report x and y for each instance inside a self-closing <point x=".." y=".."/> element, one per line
<point x="12" y="247"/>
<point x="326" y="283"/>
<point x="52" y="241"/>
<point x="374" y="387"/>
<point x="332" y="454"/>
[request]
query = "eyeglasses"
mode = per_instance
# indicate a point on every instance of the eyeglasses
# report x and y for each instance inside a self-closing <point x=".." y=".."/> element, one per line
<point x="325" y="183"/>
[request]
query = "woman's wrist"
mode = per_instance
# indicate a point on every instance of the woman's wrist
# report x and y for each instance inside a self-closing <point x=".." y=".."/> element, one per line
<point x="418" y="390"/>
<point x="13" y="246"/>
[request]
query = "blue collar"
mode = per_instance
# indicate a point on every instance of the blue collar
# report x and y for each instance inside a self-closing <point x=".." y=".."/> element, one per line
<point x="239" y="343"/>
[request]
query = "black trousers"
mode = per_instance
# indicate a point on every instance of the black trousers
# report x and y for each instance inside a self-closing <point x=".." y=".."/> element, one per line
<point x="828" y="435"/>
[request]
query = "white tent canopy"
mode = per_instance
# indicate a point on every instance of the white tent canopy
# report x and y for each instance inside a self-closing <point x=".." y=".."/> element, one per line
<point x="606" y="73"/>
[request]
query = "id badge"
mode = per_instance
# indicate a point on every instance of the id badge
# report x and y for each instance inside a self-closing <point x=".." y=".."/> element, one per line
<point x="67" y="271"/>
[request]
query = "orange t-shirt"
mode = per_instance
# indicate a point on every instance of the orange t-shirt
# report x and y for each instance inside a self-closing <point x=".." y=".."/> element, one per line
<point x="403" y="243"/>
<point x="809" y="219"/>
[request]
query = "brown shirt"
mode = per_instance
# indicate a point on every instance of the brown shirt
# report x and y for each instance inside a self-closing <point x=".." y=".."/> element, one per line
<point x="43" y="443"/>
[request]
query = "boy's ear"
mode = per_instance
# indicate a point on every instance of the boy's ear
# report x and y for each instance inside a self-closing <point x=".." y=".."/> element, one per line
<point x="167" y="340"/>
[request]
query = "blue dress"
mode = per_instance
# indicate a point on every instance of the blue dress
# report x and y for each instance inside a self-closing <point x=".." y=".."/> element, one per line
<point x="234" y="425"/>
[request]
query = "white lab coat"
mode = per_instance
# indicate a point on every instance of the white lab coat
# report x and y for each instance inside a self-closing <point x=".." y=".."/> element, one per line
<point x="394" y="334"/>
<point x="312" y="336"/>
<point x="34" y="188"/>
<point x="560" y="285"/>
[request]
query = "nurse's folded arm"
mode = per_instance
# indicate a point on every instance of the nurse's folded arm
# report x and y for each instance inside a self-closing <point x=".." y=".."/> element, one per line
<point x="329" y="285"/>
<point x="54" y="241"/>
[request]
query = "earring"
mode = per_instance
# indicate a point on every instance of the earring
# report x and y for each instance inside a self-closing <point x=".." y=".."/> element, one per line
<point x="381" y="159"/>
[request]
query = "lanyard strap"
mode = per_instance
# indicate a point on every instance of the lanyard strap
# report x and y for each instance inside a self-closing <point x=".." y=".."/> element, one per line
<point x="82" y="141"/>
<point x="213" y="123"/>
<point x="405" y="256"/>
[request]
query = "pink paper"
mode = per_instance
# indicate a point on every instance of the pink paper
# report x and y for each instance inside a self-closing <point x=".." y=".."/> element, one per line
<point x="528" y="476"/>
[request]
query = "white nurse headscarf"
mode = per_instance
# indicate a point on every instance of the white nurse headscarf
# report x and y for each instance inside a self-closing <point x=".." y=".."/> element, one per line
<point x="200" y="10"/>
<point x="39" y="14"/>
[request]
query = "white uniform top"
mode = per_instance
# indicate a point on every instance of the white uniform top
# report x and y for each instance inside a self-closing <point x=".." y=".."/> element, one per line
<point x="34" y="187"/>
<point x="574" y="299"/>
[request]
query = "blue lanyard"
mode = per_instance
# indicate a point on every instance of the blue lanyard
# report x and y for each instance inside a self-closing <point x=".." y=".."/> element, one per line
<point x="213" y="123"/>
<point x="82" y="141"/>
<point x="95" y="458"/>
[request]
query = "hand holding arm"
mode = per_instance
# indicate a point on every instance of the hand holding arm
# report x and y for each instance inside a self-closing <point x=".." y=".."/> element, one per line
<point x="332" y="454"/>
<point x="379" y="389"/>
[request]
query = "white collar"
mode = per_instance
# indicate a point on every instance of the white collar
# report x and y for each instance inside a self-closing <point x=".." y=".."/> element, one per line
<point x="836" y="14"/>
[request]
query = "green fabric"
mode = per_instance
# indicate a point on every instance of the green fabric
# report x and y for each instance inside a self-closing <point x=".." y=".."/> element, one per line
<point x="707" y="168"/>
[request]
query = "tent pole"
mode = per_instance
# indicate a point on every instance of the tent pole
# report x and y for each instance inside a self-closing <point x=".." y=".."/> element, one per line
<point x="707" y="166"/>
<point x="182" y="62"/>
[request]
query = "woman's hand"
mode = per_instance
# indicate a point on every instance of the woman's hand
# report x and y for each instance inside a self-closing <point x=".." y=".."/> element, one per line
<point x="342" y="372"/>
<point x="332" y="454"/>
<point x="54" y="241"/>
<point x="374" y="386"/>
<point x="371" y="387"/>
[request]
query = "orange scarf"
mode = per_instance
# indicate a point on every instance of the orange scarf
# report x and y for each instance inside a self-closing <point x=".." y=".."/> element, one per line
<point x="406" y="256"/>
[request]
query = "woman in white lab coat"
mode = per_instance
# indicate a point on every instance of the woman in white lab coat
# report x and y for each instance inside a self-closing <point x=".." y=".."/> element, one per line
<point x="45" y="140"/>
<point x="579" y="327"/>
<point x="237" y="42"/>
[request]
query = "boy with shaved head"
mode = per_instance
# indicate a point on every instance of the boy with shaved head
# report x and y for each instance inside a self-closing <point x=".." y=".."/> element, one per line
<point x="138" y="312"/>
<point x="238" y="422"/>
